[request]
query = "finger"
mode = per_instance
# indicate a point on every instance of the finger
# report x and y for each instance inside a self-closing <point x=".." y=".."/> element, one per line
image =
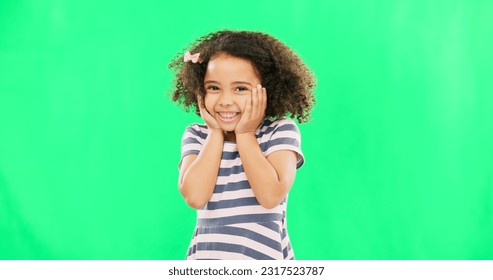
<point x="203" y="110"/>
<point x="201" y="105"/>
<point x="254" y="102"/>
<point x="248" y="108"/>
<point x="264" y="100"/>
<point x="259" y="109"/>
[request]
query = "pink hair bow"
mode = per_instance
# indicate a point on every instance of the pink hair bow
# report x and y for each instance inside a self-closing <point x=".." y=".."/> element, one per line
<point x="194" y="58"/>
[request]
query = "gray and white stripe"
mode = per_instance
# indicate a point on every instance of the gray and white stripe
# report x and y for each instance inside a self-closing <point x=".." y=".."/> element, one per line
<point x="233" y="225"/>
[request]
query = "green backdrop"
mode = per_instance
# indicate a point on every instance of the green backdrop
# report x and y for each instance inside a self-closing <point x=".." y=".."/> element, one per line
<point x="399" y="154"/>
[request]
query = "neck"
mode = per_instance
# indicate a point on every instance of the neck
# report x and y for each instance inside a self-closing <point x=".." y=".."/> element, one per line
<point x="230" y="136"/>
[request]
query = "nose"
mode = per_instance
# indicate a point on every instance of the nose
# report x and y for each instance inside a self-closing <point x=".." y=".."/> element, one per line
<point x="226" y="99"/>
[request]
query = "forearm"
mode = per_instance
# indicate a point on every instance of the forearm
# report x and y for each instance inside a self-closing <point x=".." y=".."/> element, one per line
<point x="262" y="176"/>
<point x="199" y="179"/>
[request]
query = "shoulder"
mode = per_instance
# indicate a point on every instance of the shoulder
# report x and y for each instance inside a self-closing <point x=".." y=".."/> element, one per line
<point x="193" y="138"/>
<point x="281" y="134"/>
<point x="195" y="133"/>
<point x="272" y="126"/>
<point x="199" y="130"/>
<point x="278" y="131"/>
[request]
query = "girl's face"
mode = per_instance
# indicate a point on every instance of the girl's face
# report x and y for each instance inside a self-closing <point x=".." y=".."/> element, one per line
<point x="228" y="83"/>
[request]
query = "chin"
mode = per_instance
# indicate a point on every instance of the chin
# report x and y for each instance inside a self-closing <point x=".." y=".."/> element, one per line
<point x="229" y="130"/>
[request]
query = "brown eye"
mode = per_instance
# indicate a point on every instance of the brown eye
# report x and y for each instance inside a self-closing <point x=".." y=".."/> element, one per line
<point x="241" y="89"/>
<point x="212" y="88"/>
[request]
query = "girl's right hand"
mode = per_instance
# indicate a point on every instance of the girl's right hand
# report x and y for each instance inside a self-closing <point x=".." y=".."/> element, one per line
<point x="208" y="118"/>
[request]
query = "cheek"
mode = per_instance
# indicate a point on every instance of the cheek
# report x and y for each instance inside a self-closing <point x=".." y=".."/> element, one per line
<point x="209" y="103"/>
<point x="242" y="103"/>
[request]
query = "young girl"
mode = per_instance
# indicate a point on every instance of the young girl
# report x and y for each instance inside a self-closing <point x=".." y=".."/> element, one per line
<point x="237" y="169"/>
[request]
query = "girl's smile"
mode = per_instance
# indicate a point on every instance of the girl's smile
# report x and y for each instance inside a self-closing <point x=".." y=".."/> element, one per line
<point x="228" y="117"/>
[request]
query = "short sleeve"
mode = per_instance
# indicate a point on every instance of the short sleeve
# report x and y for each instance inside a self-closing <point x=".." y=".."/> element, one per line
<point x="285" y="136"/>
<point x="192" y="140"/>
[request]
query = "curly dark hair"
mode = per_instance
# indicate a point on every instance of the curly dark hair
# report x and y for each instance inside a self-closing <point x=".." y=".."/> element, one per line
<point x="289" y="82"/>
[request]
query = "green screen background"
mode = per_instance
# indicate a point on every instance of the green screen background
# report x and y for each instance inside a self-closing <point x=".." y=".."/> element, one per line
<point x="399" y="154"/>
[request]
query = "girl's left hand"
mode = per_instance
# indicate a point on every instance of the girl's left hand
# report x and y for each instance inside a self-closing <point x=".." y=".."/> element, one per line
<point x="254" y="111"/>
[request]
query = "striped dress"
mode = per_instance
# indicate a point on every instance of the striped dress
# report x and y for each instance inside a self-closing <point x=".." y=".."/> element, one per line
<point x="233" y="225"/>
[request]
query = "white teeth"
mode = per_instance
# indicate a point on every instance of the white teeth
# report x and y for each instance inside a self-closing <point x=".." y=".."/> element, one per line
<point x="228" y="115"/>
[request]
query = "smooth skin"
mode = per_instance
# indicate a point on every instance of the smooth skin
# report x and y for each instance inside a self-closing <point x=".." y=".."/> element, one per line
<point x="233" y="109"/>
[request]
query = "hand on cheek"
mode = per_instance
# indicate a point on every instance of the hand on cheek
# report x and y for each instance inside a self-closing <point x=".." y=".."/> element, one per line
<point x="208" y="118"/>
<point x="254" y="111"/>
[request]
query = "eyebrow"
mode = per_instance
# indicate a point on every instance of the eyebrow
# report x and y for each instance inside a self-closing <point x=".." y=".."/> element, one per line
<point x="242" y="82"/>
<point x="236" y="82"/>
